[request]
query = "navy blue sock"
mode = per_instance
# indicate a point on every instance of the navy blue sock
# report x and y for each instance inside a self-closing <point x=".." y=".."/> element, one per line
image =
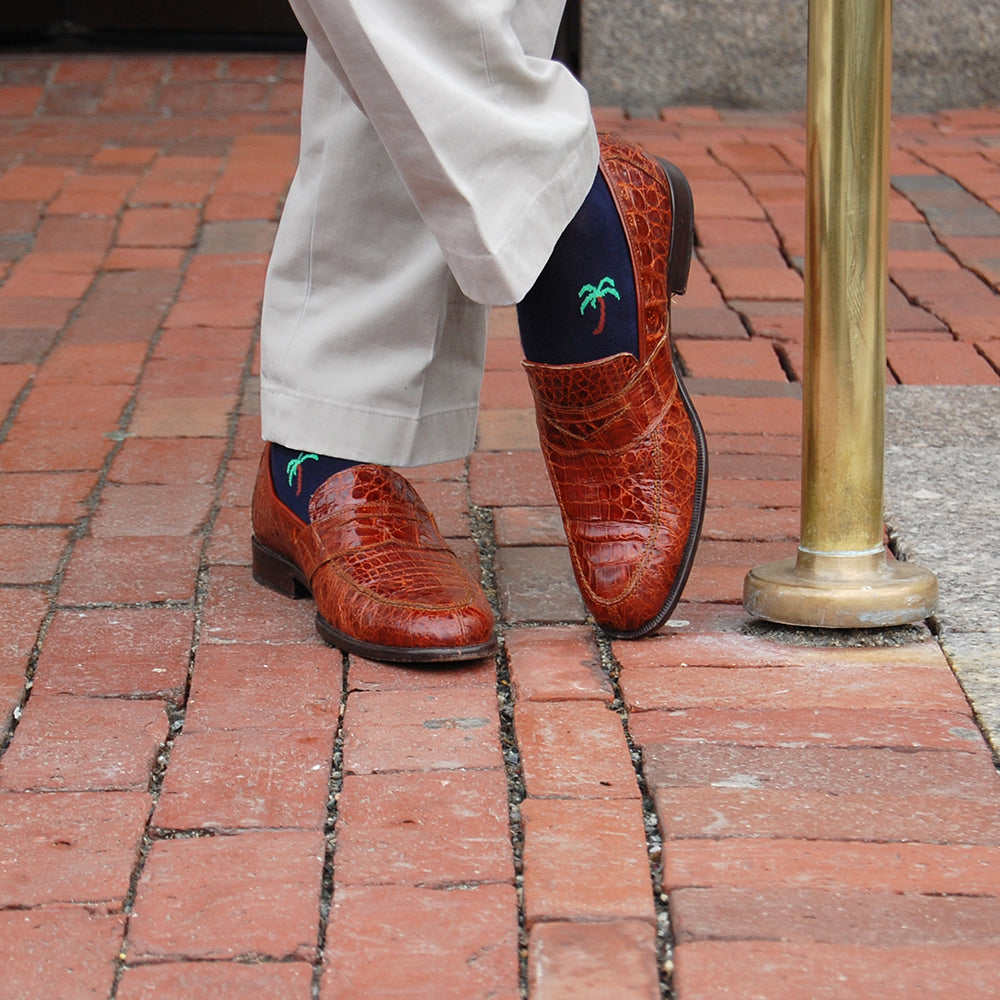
<point x="298" y="474"/>
<point x="583" y="305"/>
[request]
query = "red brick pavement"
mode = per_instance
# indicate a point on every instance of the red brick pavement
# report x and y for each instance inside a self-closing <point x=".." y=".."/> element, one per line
<point x="198" y="798"/>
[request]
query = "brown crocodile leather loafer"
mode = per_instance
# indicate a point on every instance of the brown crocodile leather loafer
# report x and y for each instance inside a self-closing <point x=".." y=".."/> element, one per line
<point x="622" y="442"/>
<point x="385" y="583"/>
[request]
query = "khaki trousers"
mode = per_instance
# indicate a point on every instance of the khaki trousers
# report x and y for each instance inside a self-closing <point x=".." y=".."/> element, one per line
<point x="442" y="155"/>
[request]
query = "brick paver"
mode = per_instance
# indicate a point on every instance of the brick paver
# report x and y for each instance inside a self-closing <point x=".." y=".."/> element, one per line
<point x="199" y="798"/>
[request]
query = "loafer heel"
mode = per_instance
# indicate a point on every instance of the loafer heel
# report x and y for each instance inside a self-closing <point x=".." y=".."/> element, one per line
<point x="276" y="573"/>
<point x="681" y="228"/>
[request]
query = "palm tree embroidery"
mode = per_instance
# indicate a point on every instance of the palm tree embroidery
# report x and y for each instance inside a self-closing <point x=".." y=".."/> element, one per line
<point x="294" y="470"/>
<point x="591" y="296"/>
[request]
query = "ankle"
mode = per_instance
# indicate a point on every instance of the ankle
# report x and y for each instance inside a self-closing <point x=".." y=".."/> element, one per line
<point x="298" y="474"/>
<point x="583" y="305"/>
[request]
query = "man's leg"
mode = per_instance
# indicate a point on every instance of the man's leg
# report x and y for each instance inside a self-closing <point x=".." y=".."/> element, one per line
<point x="358" y="372"/>
<point x="371" y="351"/>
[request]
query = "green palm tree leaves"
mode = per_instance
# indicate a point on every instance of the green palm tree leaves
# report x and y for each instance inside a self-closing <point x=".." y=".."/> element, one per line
<point x="590" y="295"/>
<point x="294" y="466"/>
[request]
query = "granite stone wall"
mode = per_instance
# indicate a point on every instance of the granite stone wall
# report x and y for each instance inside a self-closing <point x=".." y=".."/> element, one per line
<point x="647" y="54"/>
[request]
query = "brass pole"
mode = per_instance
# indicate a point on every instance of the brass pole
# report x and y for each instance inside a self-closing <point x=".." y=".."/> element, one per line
<point x="841" y="576"/>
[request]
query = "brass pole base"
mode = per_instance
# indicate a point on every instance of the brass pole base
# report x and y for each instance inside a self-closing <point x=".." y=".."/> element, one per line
<point x="824" y="590"/>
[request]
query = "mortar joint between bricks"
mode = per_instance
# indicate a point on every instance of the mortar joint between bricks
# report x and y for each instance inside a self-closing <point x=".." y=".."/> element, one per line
<point x="982" y="353"/>
<point x="654" y="839"/>
<point x="483" y="534"/>
<point x="335" y="787"/>
<point x="516" y="794"/>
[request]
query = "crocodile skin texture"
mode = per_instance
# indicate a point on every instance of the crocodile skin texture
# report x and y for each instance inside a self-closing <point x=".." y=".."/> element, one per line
<point x="641" y="192"/>
<point x="623" y="445"/>
<point x="385" y="583"/>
